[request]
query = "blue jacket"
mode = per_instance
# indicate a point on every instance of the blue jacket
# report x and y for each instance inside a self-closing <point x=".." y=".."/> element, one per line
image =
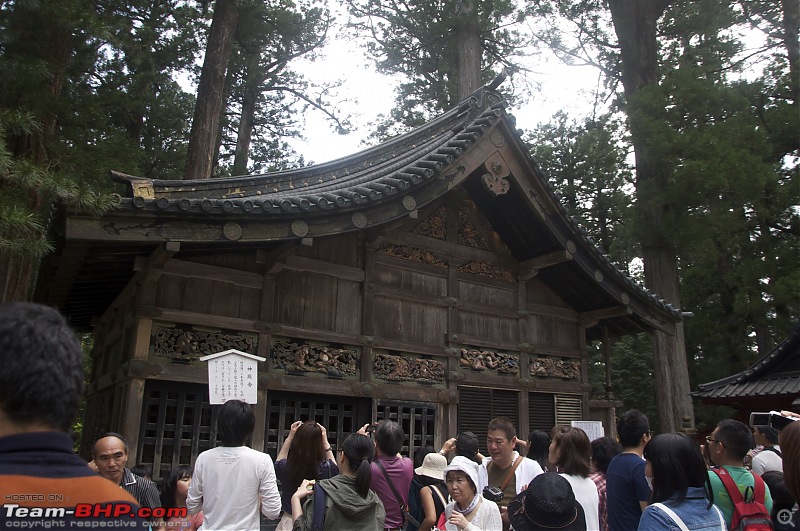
<point x="693" y="510"/>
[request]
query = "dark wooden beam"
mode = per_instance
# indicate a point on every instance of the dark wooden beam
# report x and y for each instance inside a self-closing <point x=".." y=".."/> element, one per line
<point x="529" y="268"/>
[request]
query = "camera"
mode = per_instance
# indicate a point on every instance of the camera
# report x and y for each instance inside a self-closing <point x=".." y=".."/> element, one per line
<point x="773" y="419"/>
<point x="492" y="493"/>
<point x="372" y="427"/>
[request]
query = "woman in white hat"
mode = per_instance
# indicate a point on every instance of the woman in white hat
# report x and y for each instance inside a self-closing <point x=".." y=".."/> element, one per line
<point x="468" y="511"/>
<point x="433" y="495"/>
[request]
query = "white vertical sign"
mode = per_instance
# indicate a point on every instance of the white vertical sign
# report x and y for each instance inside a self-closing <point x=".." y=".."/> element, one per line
<point x="593" y="428"/>
<point x="232" y="375"/>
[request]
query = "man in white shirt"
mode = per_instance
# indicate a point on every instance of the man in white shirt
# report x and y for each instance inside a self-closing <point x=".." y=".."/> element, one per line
<point x="505" y="468"/>
<point x="231" y="481"/>
<point x="770" y="458"/>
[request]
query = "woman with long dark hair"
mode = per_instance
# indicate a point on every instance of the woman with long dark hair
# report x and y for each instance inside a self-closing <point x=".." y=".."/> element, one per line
<point x="174" y="488"/>
<point x="344" y="501"/>
<point x="539" y="448"/>
<point x="681" y="490"/>
<point x="305" y="454"/>
<point x="571" y="454"/>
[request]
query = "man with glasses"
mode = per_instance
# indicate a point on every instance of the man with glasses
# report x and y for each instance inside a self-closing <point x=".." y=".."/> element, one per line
<point x="110" y="455"/>
<point x="726" y="447"/>
<point x="627" y="491"/>
<point x="505" y="468"/>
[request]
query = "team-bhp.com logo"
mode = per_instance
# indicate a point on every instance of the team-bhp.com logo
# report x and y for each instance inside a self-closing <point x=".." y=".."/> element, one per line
<point x="95" y="510"/>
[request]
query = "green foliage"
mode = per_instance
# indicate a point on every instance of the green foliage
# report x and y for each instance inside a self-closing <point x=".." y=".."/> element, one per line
<point x="724" y="150"/>
<point x="419" y="42"/>
<point x="632" y="379"/>
<point x="263" y="91"/>
<point x="585" y="162"/>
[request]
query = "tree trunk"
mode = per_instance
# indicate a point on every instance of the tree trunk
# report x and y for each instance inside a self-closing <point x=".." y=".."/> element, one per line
<point x="210" y="92"/>
<point x="635" y="25"/>
<point x="246" y="119"/>
<point x="469" y="50"/>
<point x="791" y="23"/>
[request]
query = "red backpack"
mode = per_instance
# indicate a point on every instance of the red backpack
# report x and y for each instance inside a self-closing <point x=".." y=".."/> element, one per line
<point x="747" y="515"/>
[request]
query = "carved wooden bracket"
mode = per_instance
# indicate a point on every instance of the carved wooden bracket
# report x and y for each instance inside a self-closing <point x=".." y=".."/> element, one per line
<point x="142" y="369"/>
<point x="495" y="181"/>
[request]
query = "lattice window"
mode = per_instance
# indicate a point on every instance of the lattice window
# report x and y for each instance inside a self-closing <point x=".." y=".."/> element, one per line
<point x="568" y="408"/>
<point x="341" y="416"/>
<point x="177" y="425"/>
<point x="418" y="421"/>
<point x="477" y="406"/>
<point x="541" y="411"/>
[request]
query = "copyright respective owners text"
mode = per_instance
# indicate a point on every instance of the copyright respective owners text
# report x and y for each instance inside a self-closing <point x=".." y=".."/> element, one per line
<point x="82" y="515"/>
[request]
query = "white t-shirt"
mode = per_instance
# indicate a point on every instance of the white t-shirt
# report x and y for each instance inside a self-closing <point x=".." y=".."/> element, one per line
<point x="766" y="461"/>
<point x="586" y="494"/>
<point x="227" y="484"/>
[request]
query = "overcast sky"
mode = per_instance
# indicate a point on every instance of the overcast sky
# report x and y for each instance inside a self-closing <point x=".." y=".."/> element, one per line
<point x="562" y="87"/>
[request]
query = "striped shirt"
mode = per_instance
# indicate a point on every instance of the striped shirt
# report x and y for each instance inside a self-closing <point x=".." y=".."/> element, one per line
<point x="144" y="490"/>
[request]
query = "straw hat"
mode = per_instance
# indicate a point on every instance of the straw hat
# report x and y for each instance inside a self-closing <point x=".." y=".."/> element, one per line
<point x="432" y="466"/>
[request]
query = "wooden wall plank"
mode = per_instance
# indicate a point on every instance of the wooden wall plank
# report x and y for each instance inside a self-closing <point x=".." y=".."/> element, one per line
<point x="319" y="297"/>
<point x="488" y="326"/>
<point x="169" y="292"/>
<point x="482" y="294"/>
<point x="289" y="302"/>
<point x="250" y="304"/>
<point x="196" y="295"/>
<point x="348" y="307"/>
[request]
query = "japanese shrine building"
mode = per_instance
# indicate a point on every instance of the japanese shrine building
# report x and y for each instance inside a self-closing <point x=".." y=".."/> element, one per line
<point x="434" y="279"/>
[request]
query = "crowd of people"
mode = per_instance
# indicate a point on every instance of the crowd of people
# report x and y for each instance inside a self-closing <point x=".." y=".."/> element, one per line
<point x="741" y="476"/>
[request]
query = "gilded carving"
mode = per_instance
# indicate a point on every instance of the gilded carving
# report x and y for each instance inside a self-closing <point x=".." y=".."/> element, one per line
<point x="406" y="368"/>
<point x="298" y="356"/>
<point x="488" y="360"/>
<point x="555" y="368"/>
<point x="413" y="254"/>
<point x="184" y="344"/>
<point x="482" y="236"/>
<point x="486" y="270"/>
<point x="434" y="226"/>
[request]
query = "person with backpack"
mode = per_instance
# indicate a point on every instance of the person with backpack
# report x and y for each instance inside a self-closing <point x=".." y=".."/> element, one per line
<point x="344" y="501"/>
<point x="769" y="459"/>
<point x="743" y="497"/>
<point x="433" y="494"/>
<point x="681" y="492"/>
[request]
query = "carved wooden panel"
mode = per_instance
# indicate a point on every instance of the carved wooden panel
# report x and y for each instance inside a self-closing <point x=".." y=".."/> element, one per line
<point x="489" y="361"/>
<point x="182" y="343"/>
<point x="474" y="230"/>
<point x="404" y="367"/>
<point x="486" y="270"/>
<point x="542" y="367"/>
<point x="301" y="358"/>
<point x="434" y="226"/>
<point x="413" y="254"/>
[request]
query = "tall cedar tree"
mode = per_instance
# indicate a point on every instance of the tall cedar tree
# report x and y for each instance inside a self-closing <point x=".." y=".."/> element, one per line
<point x="210" y="91"/>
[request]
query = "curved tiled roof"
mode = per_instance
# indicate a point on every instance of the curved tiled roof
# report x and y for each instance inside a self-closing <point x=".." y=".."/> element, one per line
<point x="776" y="373"/>
<point x="370" y="177"/>
<point x="385" y="183"/>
